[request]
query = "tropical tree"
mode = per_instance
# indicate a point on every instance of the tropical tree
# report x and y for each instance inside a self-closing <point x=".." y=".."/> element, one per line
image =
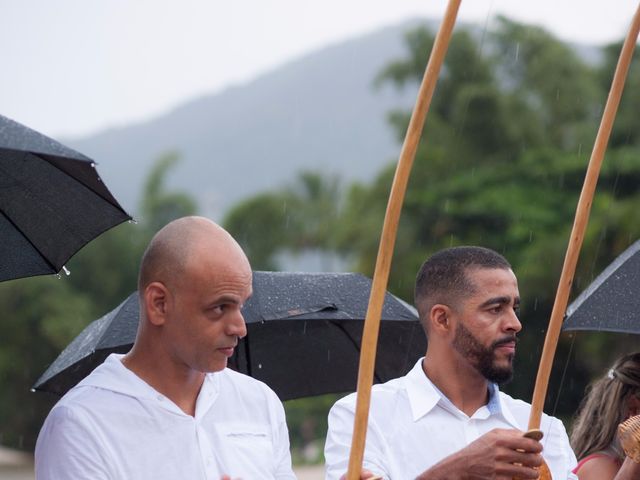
<point x="303" y="217"/>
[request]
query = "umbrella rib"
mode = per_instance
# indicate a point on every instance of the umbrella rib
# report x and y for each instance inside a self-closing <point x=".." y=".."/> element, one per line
<point x="53" y="267"/>
<point x="110" y="201"/>
<point x="79" y="182"/>
<point x="355" y="344"/>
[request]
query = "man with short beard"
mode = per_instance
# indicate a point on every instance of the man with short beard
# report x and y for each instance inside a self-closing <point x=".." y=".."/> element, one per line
<point x="447" y="418"/>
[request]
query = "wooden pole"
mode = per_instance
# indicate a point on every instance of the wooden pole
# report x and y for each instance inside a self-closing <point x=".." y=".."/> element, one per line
<point x="388" y="236"/>
<point x="580" y="223"/>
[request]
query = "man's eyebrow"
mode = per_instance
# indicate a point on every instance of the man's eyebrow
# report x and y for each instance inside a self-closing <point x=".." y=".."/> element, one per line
<point x="504" y="300"/>
<point x="225" y="299"/>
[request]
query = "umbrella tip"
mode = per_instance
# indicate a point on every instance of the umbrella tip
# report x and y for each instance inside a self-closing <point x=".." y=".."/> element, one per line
<point x="66" y="271"/>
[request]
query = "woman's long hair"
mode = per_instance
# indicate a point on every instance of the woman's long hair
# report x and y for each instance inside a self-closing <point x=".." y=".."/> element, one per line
<point x="604" y="407"/>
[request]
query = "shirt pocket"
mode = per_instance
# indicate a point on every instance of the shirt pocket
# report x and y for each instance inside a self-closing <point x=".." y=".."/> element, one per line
<point x="250" y="449"/>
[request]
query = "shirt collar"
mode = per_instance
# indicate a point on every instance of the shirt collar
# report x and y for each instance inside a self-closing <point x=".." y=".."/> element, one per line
<point x="424" y="396"/>
<point x="494" y="405"/>
<point x="113" y="375"/>
<point x="504" y="408"/>
<point x="421" y="392"/>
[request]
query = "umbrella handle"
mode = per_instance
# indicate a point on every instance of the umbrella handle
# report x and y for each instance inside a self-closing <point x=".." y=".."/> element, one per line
<point x="388" y="236"/>
<point x="580" y="223"/>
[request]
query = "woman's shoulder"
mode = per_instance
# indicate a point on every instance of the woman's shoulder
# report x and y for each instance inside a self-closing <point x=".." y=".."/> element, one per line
<point x="598" y="465"/>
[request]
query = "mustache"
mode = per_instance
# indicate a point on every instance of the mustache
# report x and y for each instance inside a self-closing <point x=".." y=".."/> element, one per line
<point x="504" y="341"/>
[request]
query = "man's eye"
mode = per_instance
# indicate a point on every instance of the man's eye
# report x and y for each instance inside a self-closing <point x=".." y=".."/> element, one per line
<point x="516" y="310"/>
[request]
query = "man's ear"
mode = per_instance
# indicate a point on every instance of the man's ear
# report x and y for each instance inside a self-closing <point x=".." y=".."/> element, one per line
<point x="439" y="318"/>
<point x="156" y="298"/>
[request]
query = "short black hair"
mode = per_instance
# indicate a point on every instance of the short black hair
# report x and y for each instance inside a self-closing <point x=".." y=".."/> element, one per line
<point x="442" y="277"/>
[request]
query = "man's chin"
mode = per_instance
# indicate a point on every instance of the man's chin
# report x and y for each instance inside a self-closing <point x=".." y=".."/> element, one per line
<point x="500" y="376"/>
<point x="214" y="367"/>
<point x="502" y="361"/>
<point x="500" y="372"/>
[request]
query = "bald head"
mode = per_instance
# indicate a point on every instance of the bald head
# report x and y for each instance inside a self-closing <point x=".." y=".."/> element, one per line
<point x="181" y="243"/>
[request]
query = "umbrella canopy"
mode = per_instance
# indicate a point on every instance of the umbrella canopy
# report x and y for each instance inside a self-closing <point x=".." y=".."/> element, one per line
<point x="612" y="302"/>
<point x="303" y="336"/>
<point x="52" y="202"/>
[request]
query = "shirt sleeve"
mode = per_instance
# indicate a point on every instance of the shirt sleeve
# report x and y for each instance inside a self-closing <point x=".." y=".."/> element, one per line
<point x="65" y="449"/>
<point x="338" y="444"/>
<point x="572" y="463"/>
<point x="558" y="451"/>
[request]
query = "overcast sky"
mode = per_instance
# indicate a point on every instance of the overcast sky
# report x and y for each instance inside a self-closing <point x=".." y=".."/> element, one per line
<point x="73" y="67"/>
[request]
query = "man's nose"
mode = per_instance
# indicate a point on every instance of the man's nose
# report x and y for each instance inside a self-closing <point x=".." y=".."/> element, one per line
<point x="513" y="322"/>
<point x="236" y="325"/>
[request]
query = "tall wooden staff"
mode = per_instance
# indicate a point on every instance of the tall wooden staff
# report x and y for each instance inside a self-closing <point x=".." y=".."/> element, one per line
<point x="388" y="237"/>
<point x="580" y="223"/>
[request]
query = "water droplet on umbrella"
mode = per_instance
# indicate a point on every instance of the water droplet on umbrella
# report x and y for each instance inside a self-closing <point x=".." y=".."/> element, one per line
<point x="66" y="271"/>
<point x="259" y="365"/>
<point x="133" y="221"/>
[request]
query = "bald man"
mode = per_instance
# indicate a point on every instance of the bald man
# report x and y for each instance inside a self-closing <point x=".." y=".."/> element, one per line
<point x="170" y="409"/>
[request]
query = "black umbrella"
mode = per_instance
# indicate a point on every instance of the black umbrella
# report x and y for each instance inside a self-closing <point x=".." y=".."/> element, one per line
<point x="52" y="202"/>
<point x="612" y="302"/>
<point x="304" y="332"/>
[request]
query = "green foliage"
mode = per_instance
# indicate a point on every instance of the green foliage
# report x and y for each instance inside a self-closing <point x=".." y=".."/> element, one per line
<point x="627" y="127"/>
<point x="302" y="217"/>
<point x="160" y="206"/>
<point x="259" y="225"/>
<point x="42" y="315"/>
<point x="307" y="422"/>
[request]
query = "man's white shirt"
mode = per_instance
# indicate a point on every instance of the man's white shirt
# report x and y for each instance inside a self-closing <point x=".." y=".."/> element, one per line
<point x="113" y="425"/>
<point x="413" y="426"/>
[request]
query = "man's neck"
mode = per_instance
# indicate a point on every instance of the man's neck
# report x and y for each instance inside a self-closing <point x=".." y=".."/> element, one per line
<point x="462" y="384"/>
<point x="181" y="387"/>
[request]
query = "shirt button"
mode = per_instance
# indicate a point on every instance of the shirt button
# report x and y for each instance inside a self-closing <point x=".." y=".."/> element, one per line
<point x="160" y="398"/>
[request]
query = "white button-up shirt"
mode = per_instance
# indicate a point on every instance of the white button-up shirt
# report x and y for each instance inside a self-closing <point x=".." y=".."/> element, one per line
<point x="114" y="426"/>
<point x="412" y="426"/>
